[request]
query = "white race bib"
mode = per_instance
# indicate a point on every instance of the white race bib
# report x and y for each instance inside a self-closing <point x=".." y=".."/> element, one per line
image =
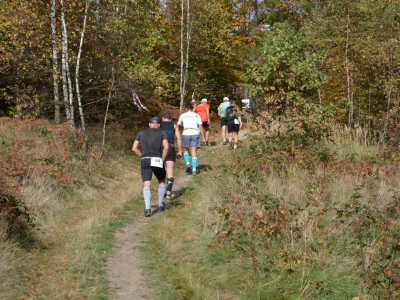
<point x="156" y="162"/>
<point x="237" y="121"/>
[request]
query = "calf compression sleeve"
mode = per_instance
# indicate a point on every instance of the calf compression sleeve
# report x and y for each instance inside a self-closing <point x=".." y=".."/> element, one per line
<point x="161" y="193"/>
<point x="186" y="157"/>
<point x="170" y="182"/>
<point x="194" y="163"/>
<point x="147" y="196"/>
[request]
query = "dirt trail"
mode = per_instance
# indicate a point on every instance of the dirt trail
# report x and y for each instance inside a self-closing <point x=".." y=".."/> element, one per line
<point x="125" y="268"/>
<point x="125" y="271"/>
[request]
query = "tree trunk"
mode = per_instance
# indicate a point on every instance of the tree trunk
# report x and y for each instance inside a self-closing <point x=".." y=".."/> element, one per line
<point x="184" y="56"/>
<point x="187" y="43"/>
<point x="55" y="64"/>
<point x="108" y="105"/>
<point x="78" y="93"/>
<point x="181" y="86"/>
<point x="63" y="68"/>
<point x="349" y="75"/>
<point x="67" y="85"/>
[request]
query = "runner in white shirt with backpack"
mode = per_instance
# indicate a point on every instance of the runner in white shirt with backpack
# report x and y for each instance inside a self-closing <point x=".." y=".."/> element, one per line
<point x="192" y="130"/>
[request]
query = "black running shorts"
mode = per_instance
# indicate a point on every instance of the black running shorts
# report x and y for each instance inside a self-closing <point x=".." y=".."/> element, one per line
<point x="171" y="156"/>
<point x="232" y="127"/>
<point x="224" y="122"/>
<point x="147" y="171"/>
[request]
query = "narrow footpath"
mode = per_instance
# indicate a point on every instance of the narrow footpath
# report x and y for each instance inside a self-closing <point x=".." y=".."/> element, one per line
<point x="129" y="280"/>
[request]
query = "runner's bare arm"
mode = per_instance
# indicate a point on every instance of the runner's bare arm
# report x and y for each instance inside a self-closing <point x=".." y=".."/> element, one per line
<point x="178" y="139"/>
<point x="240" y="121"/>
<point x="135" y="148"/>
<point x="203" y="140"/>
<point x="165" y="150"/>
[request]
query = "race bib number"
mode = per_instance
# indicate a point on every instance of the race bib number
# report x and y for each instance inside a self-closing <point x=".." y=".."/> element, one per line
<point x="236" y="121"/>
<point x="156" y="162"/>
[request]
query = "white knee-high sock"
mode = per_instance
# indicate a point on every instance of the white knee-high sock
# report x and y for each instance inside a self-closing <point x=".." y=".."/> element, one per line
<point x="161" y="193"/>
<point x="147" y="197"/>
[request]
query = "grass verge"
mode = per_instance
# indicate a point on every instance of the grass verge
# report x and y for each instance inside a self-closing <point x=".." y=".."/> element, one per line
<point x="76" y="201"/>
<point x="271" y="222"/>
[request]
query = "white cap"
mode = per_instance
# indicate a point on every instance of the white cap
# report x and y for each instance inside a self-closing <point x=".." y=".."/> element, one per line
<point x="226" y="99"/>
<point x="204" y="100"/>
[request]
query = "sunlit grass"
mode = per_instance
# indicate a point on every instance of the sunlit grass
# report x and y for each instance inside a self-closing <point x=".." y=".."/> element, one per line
<point x="252" y="225"/>
<point x="324" y="245"/>
<point x="77" y="200"/>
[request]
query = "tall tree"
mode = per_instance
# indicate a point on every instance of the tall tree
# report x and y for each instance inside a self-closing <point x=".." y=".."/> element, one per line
<point x="55" y="62"/>
<point x="360" y="56"/>
<point x="78" y="61"/>
<point x="67" y="81"/>
<point x="284" y="68"/>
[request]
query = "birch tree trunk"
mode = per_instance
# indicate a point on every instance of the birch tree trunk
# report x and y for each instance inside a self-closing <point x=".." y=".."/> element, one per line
<point x="181" y="86"/>
<point x="350" y="98"/>
<point x="67" y="84"/>
<point x="108" y="105"/>
<point x="78" y="93"/>
<point x="187" y="44"/>
<point x="184" y="56"/>
<point x="55" y="63"/>
<point x="63" y="69"/>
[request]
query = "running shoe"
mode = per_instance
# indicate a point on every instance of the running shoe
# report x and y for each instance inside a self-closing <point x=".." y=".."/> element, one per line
<point x="194" y="172"/>
<point x="147" y="213"/>
<point x="235" y="147"/>
<point x="224" y="142"/>
<point x="168" y="196"/>
<point x="206" y="143"/>
<point x="161" y="208"/>
<point x="188" y="169"/>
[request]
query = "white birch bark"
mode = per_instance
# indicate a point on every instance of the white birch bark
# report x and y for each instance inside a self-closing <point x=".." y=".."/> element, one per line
<point x="108" y="105"/>
<point x="66" y="73"/>
<point x="184" y="52"/>
<point x="55" y="63"/>
<point x="188" y="34"/>
<point x="78" y="60"/>
<point x="350" y="95"/>
<point x="181" y="86"/>
<point x="63" y="69"/>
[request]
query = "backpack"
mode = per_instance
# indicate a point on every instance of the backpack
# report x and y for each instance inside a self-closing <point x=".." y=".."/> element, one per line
<point x="230" y="112"/>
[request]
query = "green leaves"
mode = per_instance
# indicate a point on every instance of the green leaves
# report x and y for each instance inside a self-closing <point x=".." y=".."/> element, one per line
<point x="284" y="65"/>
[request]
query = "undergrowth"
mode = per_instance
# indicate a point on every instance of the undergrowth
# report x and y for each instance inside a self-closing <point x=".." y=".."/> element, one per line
<point x="282" y="217"/>
<point x="287" y="218"/>
<point x="57" y="220"/>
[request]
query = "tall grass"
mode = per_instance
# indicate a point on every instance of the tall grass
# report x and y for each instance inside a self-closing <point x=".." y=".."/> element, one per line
<point x="8" y="273"/>
<point x="316" y="222"/>
<point x="75" y="199"/>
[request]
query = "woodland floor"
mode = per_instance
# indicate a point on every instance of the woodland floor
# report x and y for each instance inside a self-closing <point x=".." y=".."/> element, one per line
<point x="129" y="280"/>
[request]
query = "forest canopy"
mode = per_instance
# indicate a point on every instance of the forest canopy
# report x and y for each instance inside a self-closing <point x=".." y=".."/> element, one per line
<point x="77" y="61"/>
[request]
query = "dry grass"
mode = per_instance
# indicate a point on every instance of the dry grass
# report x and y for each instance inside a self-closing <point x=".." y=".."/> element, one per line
<point x="70" y="195"/>
<point x="297" y="228"/>
<point x="257" y="225"/>
<point x="8" y="259"/>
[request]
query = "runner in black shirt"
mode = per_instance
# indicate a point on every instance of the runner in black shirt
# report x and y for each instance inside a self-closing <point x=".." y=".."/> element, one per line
<point x="172" y="131"/>
<point x="154" y="145"/>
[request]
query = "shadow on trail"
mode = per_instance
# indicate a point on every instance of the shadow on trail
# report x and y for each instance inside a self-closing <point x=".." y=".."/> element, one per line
<point x="177" y="200"/>
<point x="204" y="168"/>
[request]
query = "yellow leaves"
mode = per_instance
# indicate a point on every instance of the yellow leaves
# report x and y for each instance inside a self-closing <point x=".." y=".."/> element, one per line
<point x="387" y="272"/>
<point x="281" y="265"/>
